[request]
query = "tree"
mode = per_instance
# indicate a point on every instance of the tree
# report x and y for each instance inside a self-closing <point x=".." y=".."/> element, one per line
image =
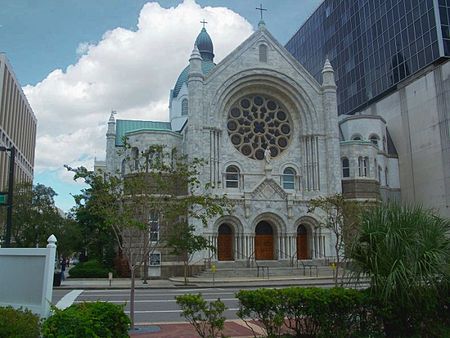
<point x="159" y="182"/>
<point x="341" y="217"/>
<point x="34" y="215"/>
<point x="184" y="243"/>
<point x="405" y="251"/>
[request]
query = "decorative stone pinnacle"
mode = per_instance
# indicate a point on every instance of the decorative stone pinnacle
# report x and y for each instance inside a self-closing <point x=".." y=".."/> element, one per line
<point x="195" y="53"/>
<point x="327" y="67"/>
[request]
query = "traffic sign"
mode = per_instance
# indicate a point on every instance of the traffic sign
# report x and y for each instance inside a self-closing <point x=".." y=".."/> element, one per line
<point x="3" y="198"/>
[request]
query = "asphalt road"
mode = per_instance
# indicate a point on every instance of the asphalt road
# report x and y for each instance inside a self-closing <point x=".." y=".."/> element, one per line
<point x="153" y="305"/>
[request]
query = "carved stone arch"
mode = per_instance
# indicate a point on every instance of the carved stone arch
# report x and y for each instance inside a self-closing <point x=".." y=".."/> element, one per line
<point x="278" y="224"/>
<point x="305" y="229"/>
<point x="235" y="222"/>
<point x="292" y="165"/>
<point x="227" y="229"/>
<point x="233" y="163"/>
<point x="274" y="84"/>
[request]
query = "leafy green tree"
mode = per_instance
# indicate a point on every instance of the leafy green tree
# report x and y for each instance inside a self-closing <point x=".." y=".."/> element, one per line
<point x="184" y="243"/>
<point x="405" y="251"/>
<point x="341" y="217"/>
<point x="159" y="182"/>
<point x="98" y="239"/>
<point x="35" y="217"/>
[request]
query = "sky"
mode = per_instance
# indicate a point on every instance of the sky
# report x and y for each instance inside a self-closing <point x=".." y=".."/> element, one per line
<point x="79" y="59"/>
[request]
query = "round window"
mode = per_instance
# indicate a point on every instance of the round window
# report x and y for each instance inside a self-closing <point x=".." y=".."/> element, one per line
<point x="257" y="122"/>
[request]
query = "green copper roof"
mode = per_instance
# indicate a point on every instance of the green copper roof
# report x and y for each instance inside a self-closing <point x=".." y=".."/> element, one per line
<point x="206" y="68"/>
<point x="205" y="45"/>
<point x="125" y="126"/>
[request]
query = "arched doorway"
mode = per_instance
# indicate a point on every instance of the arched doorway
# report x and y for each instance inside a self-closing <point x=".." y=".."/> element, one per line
<point x="302" y="242"/>
<point x="225" y="243"/>
<point x="263" y="241"/>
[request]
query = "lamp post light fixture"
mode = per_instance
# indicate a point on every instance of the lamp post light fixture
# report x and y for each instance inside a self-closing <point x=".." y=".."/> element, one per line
<point x="9" y="200"/>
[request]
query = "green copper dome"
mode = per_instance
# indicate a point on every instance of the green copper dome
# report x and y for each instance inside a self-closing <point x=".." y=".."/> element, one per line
<point x="206" y="68"/>
<point x="205" y="45"/>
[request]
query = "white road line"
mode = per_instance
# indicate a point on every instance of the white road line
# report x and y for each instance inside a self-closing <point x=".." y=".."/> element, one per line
<point x="168" y="311"/>
<point x="149" y="300"/>
<point x="68" y="299"/>
<point x="156" y="294"/>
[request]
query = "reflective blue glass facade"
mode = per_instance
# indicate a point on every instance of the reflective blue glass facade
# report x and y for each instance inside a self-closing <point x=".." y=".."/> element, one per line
<point x="372" y="44"/>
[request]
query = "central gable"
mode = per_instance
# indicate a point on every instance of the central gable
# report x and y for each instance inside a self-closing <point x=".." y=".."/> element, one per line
<point x="269" y="190"/>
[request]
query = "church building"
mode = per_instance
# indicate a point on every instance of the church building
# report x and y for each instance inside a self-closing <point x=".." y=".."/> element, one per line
<point x="272" y="139"/>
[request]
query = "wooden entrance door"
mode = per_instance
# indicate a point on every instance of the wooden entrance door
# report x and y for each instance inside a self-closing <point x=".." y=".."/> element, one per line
<point x="225" y="243"/>
<point x="302" y="242"/>
<point x="263" y="241"/>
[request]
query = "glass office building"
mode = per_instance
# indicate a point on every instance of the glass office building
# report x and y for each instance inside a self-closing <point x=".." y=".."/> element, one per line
<point x="372" y="44"/>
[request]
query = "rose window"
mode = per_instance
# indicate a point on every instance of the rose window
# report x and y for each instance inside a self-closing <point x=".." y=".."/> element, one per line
<point x="257" y="122"/>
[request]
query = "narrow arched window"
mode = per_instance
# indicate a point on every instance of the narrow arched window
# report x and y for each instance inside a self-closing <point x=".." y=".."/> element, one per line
<point x="360" y="166"/>
<point x="374" y="139"/>
<point x="184" y="107"/>
<point x="262" y="53"/>
<point x="232" y="177"/>
<point x="289" y="178"/>
<point x="135" y="157"/>
<point x="386" y="177"/>
<point x="366" y="166"/>
<point x="345" y="167"/>
<point x="122" y="168"/>
<point x="379" y="173"/>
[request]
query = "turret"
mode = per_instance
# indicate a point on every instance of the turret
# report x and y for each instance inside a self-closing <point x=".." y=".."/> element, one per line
<point x="111" y="143"/>
<point x="331" y="128"/>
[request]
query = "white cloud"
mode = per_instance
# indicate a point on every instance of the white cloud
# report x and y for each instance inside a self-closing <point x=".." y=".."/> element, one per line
<point x="129" y="71"/>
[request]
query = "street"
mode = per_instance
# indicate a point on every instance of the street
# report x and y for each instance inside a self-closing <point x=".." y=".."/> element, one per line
<point x="153" y="305"/>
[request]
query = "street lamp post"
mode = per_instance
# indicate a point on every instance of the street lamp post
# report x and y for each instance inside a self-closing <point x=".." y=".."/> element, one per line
<point x="9" y="203"/>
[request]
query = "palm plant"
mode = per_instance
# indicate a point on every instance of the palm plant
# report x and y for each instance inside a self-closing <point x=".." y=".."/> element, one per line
<point x="405" y="252"/>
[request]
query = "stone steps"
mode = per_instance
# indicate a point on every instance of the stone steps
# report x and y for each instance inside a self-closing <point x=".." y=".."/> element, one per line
<point x="275" y="268"/>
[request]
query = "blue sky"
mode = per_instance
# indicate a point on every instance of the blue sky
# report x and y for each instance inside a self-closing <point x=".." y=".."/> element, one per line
<point x="78" y="59"/>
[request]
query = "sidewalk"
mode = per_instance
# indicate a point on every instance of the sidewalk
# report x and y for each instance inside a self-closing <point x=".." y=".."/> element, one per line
<point x="194" y="282"/>
<point x="235" y="328"/>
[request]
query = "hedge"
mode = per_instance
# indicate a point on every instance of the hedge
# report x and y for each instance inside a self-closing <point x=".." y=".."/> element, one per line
<point x="18" y="323"/>
<point x="89" y="269"/>
<point x="87" y="320"/>
<point x="310" y="312"/>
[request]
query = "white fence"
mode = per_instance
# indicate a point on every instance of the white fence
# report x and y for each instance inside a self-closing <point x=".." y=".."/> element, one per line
<point x="26" y="277"/>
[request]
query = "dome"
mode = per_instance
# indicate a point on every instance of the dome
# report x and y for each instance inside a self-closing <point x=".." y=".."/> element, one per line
<point x="205" y="45"/>
<point x="206" y="68"/>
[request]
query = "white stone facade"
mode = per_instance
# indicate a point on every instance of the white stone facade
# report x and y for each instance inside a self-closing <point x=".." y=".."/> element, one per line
<point x="270" y="220"/>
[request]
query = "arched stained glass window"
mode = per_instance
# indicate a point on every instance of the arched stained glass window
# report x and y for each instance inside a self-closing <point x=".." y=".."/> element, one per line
<point x="232" y="177"/>
<point x="184" y="107"/>
<point x="289" y="178"/>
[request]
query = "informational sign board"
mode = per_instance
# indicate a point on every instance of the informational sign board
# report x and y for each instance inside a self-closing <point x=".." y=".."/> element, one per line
<point x="26" y="277"/>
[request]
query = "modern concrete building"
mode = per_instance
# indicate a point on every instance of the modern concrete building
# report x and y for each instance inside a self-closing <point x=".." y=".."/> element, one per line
<point x="391" y="64"/>
<point x="17" y="127"/>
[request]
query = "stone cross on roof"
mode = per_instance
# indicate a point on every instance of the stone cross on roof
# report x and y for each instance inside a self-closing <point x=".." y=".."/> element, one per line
<point x="203" y="22"/>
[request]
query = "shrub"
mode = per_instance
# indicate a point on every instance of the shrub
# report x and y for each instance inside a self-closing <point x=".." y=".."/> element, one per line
<point x="405" y="251"/>
<point x="263" y="305"/>
<point x="99" y="319"/>
<point x="310" y="312"/>
<point x="89" y="269"/>
<point x="207" y="319"/>
<point x="18" y="323"/>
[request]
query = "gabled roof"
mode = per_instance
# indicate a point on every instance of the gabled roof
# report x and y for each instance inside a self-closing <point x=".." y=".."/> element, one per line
<point x="263" y="33"/>
<point x="126" y="126"/>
